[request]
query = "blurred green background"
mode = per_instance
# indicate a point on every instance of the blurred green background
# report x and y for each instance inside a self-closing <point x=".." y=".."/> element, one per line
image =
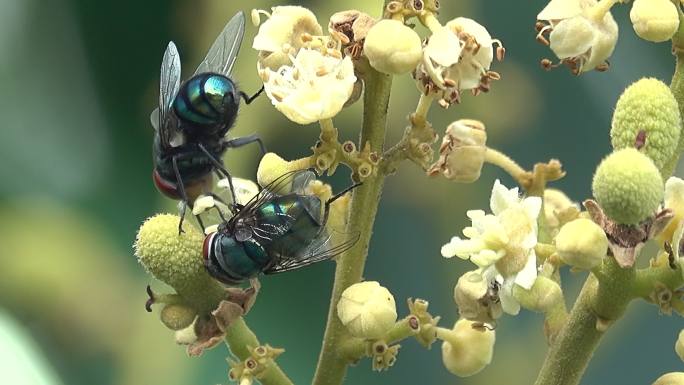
<point x="79" y="79"/>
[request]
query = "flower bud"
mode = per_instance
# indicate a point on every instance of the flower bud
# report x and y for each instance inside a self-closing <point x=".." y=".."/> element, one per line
<point x="542" y="296"/>
<point x="462" y="152"/>
<point x="176" y="260"/>
<point x="558" y="209"/>
<point x="467" y="350"/>
<point x="679" y="345"/>
<point x="476" y="300"/>
<point x="581" y="244"/>
<point x="270" y="168"/>
<point x="628" y="186"/>
<point x="367" y="310"/>
<point x="647" y="118"/>
<point x="673" y="378"/>
<point x="654" y="20"/>
<point x="177" y="316"/>
<point x="393" y="48"/>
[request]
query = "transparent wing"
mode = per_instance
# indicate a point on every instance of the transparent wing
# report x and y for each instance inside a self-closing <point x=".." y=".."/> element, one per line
<point x="222" y="54"/>
<point x="284" y="184"/>
<point x="169" y="84"/>
<point x="329" y="244"/>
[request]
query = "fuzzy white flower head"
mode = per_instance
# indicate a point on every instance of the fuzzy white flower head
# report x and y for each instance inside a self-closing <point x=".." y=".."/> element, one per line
<point x="502" y="243"/>
<point x="367" y="310"/>
<point x="314" y="87"/>
<point x="283" y="34"/>
<point x="457" y="57"/>
<point x="582" y="33"/>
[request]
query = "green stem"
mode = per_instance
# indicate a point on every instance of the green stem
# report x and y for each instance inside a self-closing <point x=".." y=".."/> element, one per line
<point x="598" y="305"/>
<point x="238" y="337"/>
<point x="677" y="87"/>
<point x="332" y="365"/>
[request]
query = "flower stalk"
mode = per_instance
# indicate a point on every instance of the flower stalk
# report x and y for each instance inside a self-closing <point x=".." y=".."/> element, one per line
<point x="332" y="364"/>
<point x="239" y="338"/>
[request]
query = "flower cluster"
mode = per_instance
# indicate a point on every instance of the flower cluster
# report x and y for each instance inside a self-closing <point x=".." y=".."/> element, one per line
<point x="502" y="243"/>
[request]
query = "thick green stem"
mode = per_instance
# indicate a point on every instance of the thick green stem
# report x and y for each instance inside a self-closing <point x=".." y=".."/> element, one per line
<point x="332" y="365"/>
<point x="596" y="308"/>
<point x="238" y="337"/>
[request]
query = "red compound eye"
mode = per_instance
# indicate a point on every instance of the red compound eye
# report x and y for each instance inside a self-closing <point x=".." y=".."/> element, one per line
<point x="165" y="187"/>
<point x="206" y="246"/>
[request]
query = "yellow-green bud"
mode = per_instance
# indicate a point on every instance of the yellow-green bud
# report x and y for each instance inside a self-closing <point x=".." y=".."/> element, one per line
<point x="628" y="186"/>
<point x="475" y="299"/>
<point x="581" y="244"/>
<point x="673" y="378"/>
<point x="270" y="168"/>
<point x="176" y="260"/>
<point x="393" y="48"/>
<point x="542" y="296"/>
<point x="654" y="20"/>
<point x="177" y="316"/>
<point x="679" y="345"/>
<point x="367" y="310"/>
<point x="647" y="117"/>
<point x="467" y="350"/>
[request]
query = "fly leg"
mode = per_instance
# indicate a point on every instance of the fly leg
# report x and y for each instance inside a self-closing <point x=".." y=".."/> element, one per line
<point x="185" y="201"/>
<point x="249" y="99"/>
<point x="326" y="211"/>
<point x="245" y="140"/>
<point x="221" y="169"/>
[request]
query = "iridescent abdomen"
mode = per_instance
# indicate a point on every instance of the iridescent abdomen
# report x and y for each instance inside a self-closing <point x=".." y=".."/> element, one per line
<point x="298" y="219"/>
<point x="206" y="102"/>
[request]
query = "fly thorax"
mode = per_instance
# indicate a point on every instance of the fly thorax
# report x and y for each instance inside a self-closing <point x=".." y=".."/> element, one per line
<point x="242" y="232"/>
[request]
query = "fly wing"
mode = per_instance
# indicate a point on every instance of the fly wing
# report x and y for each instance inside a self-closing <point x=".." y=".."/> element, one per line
<point x="222" y="54"/>
<point x="169" y="84"/>
<point x="284" y="184"/>
<point x="328" y="245"/>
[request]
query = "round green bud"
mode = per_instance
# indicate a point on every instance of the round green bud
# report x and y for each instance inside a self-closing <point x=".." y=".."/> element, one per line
<point x="176" y="260"/>
<point x="177" y="316"/>
<point x="582" y="244"/>
<point x="628" y="186"/>
<point x="170" y="257"/>
<point x="647" y="117"/>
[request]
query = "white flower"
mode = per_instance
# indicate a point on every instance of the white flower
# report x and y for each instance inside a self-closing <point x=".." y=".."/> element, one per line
<point x="583" y="33"/>
<point x="287" y="30"/>
<point x="457" y="57"/>
<point x="202" y="204"/>
<point x="502" y="243"/>
<point x="478" y="53"/>
<point x="674" y="231"/>
<point x="245" y="189"/>
<point x="314" y="87"/>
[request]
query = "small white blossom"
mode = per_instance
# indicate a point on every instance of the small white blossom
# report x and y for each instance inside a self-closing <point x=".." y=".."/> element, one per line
<point x="314" y="87"/>
<point x="287" y="30"/>
<point x="245" y="189"/>
<point x="457" y="57"/>
<point x="202" y="204"/>
<point x="582" y="33"/>
<point x="502" y="243"/>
